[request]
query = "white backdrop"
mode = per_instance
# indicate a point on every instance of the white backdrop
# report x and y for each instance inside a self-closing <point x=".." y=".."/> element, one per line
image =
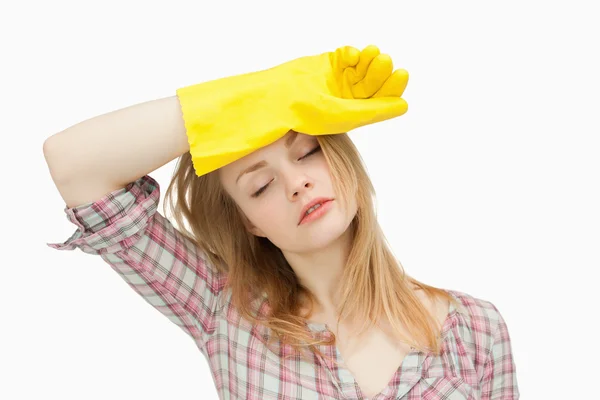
<point x="489" y="184"/>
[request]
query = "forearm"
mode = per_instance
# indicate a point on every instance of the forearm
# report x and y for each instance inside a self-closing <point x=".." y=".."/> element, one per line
<point x="116" y="148"/>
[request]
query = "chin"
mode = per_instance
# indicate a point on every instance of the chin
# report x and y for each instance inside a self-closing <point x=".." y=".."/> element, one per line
<point x="321" y="238"/>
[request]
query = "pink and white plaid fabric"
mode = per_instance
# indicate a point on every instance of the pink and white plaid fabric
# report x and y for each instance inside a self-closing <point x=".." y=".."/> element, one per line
<point x="171" y="274"/>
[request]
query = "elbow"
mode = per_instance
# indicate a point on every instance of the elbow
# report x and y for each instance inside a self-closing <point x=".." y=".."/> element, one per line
<point x="53" y="157"/>
<point x="47" y="148"/>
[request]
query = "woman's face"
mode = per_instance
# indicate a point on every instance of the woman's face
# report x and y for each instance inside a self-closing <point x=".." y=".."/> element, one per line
<point x="290" y="173"/>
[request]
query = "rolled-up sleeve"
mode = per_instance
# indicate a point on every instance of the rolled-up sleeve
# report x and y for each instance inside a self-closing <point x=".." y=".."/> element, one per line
<point x="499" y="380"/>
<point x="157" y="261"/>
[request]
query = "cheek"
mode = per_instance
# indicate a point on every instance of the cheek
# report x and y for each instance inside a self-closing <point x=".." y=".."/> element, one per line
<point x="267" y="215"/>
<point x="275" y="220"/>
<point x="272" y="212"/>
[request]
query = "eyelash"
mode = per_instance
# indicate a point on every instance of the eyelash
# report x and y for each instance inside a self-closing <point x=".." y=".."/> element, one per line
<point x="262" y="189"/>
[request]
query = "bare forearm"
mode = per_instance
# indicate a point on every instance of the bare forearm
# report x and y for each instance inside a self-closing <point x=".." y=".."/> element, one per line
<point x="113" y="149"/>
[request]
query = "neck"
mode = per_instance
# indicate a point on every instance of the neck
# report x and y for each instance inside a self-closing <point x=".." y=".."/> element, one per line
<point x="321" y="272"/>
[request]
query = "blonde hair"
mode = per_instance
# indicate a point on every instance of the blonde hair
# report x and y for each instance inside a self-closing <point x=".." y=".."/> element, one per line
<point x="373" y="285"/>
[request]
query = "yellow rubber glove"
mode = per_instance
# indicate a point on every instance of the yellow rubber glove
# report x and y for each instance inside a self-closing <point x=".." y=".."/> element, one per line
<point x="330" y="93"/>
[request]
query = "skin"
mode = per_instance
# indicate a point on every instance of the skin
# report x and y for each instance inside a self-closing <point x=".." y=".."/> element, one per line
<point x="317" y="251"/>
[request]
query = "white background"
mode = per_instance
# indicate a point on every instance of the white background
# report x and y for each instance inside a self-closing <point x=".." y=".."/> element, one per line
<point x="489" y="184"/>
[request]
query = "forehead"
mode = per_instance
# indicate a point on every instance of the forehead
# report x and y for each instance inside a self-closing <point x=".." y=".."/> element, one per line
<point x="230" y="171"/>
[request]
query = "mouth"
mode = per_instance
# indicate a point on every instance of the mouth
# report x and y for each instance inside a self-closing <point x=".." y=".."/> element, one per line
<point x="313" y="206"/>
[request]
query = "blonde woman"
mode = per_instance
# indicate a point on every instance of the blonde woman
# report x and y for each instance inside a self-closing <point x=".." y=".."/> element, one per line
<point x="278" y="269"/>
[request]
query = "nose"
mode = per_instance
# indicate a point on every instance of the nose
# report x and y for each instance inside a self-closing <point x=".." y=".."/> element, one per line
<point x="299" y="186"/>
<point x="296" y="179"/>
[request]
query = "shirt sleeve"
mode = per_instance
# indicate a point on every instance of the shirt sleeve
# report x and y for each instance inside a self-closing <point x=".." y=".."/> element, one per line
<point x="499" y="380"/>
<point x="158" y="262"/>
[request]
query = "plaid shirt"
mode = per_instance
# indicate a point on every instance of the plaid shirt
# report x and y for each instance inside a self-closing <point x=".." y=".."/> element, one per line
<point x="171" y="274"/>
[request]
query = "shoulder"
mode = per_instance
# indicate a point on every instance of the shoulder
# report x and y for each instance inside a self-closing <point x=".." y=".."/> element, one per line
<point x="482" y="313"/>
<point x="476" y="324"/>
<point x="473" y="311"/>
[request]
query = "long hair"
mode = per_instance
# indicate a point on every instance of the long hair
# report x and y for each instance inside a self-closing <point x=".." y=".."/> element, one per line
<point x="373" y="286"/>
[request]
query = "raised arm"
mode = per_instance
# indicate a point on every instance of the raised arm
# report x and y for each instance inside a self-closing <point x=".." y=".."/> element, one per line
<point x="106" y="152"/>
<point x="100" y="166"/>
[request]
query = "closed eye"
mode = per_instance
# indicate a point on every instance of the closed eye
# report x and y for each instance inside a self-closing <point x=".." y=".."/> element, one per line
<point x="313" y="151"/>
<point x="262" y="189"/>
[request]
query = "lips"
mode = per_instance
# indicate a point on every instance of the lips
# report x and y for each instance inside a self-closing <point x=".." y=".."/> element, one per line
<point x="318" y="200"/>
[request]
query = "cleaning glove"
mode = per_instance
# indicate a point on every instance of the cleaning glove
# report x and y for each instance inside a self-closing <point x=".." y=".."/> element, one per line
<point x="329" y="93"/>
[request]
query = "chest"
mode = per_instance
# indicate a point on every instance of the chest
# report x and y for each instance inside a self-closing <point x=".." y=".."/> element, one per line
<point x="372" y="358"/>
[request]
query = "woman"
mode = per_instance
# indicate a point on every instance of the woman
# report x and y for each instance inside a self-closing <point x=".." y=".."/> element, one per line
<point x="284" y="279"/>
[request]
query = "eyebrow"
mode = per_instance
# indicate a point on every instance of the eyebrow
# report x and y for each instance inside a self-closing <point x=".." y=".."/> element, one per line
<point x="288" y="143"/>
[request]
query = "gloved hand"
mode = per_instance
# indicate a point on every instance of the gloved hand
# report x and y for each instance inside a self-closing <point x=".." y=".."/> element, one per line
<point x="330" y="93"/>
